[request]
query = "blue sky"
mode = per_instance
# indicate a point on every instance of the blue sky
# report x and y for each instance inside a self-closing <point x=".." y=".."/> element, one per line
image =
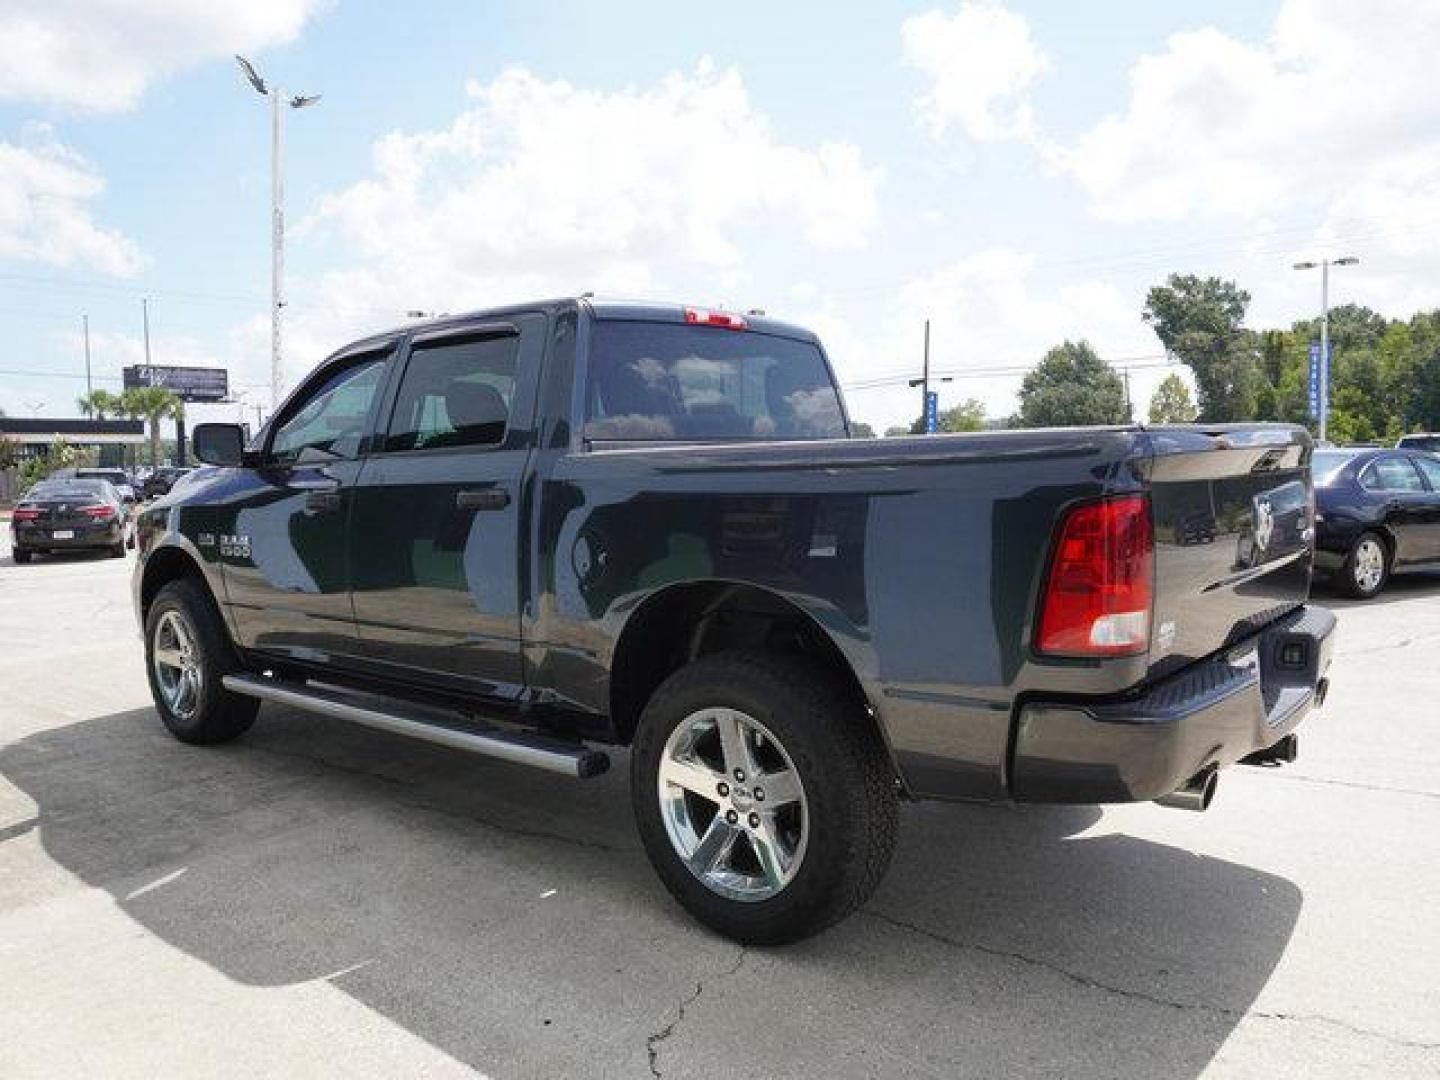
<point x="1019" y="172"/>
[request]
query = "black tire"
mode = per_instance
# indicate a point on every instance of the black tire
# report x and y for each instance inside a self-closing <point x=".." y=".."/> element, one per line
<point x="849" y="790"/>
<point x="21" y="556"/>
<point x="1352" y="580"/>
<point x="117" y="551"/>
<point x="217" y="715"/>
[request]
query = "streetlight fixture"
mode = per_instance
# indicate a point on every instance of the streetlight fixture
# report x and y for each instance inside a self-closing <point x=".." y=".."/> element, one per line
<point x="277" y="212"/>
<point x="1324" y="265"/>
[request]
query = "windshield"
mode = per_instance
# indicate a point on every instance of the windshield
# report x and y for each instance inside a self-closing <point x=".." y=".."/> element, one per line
<point x="670" y="382"/>
<point x="1326" y="463"/>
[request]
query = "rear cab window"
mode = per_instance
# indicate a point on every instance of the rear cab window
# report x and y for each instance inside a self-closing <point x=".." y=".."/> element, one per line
<point x="675" y="382"/>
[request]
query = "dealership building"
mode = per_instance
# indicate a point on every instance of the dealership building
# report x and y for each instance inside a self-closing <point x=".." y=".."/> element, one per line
<point x="34" y="437"/>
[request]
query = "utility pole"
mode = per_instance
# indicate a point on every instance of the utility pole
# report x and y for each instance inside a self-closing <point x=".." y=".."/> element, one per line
<point x="145" y="315"/>
<point x="89" y="386"/>
<point x="925" y="374"/>
<point x="277" y="214"/>
<point x="1324" y="362"/>
<point x="1129" y="408"/>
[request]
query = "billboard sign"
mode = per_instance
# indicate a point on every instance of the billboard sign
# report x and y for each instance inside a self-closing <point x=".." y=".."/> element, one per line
<point x="189" y="383"/>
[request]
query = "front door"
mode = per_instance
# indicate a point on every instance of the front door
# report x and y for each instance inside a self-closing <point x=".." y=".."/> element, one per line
<point x="282" y="541"/>
<point x="436" y="526"/>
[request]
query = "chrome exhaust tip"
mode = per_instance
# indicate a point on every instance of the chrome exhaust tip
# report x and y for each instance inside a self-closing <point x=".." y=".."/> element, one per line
<point x="1196" y="793"/>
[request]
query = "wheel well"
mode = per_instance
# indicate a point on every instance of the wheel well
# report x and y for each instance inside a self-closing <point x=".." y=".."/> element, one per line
<point x="162" y="567"/>
<point x="688" y="621"/>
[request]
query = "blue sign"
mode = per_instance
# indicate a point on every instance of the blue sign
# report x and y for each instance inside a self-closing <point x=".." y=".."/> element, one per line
<point x="1319" y="388"/>
<point x="932" y="411"/>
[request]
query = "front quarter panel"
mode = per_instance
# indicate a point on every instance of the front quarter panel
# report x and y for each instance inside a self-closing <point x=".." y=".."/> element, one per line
<point x="189" y="520"/>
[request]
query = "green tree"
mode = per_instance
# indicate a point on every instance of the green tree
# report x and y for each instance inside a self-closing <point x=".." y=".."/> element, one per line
<point x="1072" y="385"/>
<point x="969" y="415"/>
<point x="861" y="430"/>
<point x="1200" y="320"/>
<point x="152" y="404"/>
<point x="99" y="404"/>
<point x="1172" y="403"/>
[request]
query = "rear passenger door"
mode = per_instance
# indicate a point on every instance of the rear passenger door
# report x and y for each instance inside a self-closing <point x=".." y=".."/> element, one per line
<point x="1395" y="480"/>
<point x="1429" y="467"/>
<point x="435" y="532"/>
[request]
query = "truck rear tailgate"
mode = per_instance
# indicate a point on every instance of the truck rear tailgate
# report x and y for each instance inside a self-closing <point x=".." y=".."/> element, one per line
<point x="1233" y="515"/>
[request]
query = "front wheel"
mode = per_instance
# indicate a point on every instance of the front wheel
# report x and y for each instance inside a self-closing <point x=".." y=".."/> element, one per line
<point x="1366" y="568"/>
<point x="187" y="654"/>
<point x="763" y="795"/>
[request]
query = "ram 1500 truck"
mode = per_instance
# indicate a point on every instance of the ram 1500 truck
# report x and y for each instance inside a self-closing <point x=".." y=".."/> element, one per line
<point x="538" y="531"/>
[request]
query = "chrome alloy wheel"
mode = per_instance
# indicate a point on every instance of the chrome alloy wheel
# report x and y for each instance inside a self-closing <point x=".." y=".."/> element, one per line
<point x="733" y="804"/>
<point x="177" y="664"/>
<point x="1369" y="564"/>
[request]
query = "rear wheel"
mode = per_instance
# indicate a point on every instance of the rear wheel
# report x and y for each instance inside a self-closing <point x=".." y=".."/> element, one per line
<point x="117" y="550"/>
<point x="1366" y="568"/>
<point x="187" y="654"/>
<point x="763" y="795"/>
<point x="22" y="556"/>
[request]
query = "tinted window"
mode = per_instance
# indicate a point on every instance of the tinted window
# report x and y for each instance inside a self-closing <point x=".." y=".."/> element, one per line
<point x="455" y="393"/>
<point x="1431" y="468"/>
<point x="52" y="489"/>
<point x="1391" y="474"/>
<point x="1429" y="443"/>
<point x="666" y="381"/>
<point x="331" y="420"/>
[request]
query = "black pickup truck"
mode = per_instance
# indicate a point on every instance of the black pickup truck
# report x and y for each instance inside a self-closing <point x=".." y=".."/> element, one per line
<point x="537" y="531"/>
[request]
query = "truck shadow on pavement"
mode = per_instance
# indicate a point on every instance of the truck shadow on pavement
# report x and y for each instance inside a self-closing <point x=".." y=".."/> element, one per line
<point x="510" y="919"/>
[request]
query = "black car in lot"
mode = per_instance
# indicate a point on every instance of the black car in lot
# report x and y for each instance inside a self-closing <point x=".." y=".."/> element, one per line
<point x="1377" y="511"/>
<point x="160" y="481"/>
<point x="68" y="515"/>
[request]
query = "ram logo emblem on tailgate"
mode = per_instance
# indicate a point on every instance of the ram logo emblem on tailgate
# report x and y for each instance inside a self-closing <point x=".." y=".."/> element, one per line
<point x="1264" y="524"/>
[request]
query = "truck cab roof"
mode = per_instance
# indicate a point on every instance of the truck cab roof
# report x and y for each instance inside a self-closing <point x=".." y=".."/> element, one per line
<point x="599" y="308"/>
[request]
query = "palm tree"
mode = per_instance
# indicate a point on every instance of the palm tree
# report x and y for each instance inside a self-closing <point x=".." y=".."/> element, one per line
<point x="152" y="404"/>
<point x="98" y="403"/>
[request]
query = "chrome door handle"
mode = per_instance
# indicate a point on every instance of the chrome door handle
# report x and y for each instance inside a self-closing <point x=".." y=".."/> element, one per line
<point x="482" y="499"/>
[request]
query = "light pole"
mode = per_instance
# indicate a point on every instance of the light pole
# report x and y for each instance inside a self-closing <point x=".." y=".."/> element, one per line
<point x="924" y="381"/>
<point x="1324" y="265"/>
<point x="277" y="212"/>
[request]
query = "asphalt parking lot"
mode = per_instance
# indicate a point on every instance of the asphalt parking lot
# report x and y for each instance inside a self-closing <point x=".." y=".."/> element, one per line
<point x="318" y="900"/>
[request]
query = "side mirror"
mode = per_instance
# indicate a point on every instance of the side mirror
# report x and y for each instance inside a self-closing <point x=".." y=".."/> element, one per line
<point x="218" y="444"/>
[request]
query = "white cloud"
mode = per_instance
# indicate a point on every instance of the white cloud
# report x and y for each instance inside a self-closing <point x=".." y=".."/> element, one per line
<point x="989" y="310"/>
<point x="543" y="177"/>
<point x="44" y="191"/>
<point x="1336" y="109"/>
<point x="100" y="55"/>
<point x="540" y="188"/>
<point x="981" y="62"/>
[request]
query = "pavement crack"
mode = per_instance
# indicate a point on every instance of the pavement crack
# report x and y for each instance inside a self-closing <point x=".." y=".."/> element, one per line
<point x="1356" y="785"/>
<point x="653" y="1041"/>
<point x="1219" y="1011"/>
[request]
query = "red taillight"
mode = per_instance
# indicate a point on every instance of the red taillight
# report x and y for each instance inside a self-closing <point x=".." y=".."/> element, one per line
<point x="22" y="513"/>
<point x="1098" y="597"/>
<point x="101" y="512"/>
<point x="701" y="317"/>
